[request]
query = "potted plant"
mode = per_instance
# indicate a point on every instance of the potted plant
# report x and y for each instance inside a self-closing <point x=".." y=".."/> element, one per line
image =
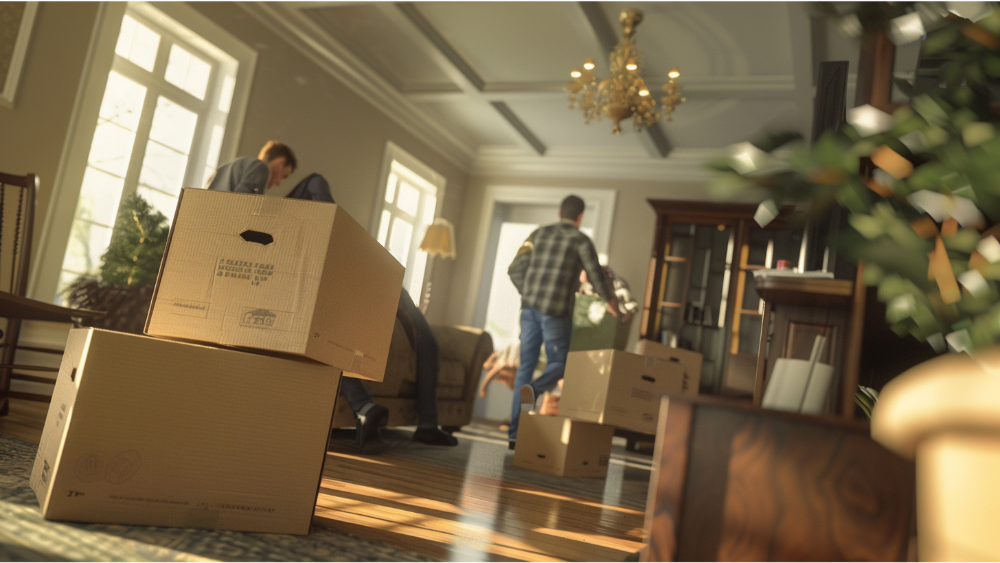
<point x="127" y="275"/>
<point x="921" y="189"/>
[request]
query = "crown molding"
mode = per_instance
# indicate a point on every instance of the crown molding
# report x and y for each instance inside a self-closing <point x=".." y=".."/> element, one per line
<point x="303" y="34"/>
<point x="684" y="165"/>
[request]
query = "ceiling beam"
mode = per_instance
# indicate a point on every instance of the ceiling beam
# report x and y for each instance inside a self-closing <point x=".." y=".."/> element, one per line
<point x="781" y="87"/>
<point x="454" y="65"/>
<point x="441" y="44"/>
<point x="519" y="125"/>
<point x="655" y="140"/>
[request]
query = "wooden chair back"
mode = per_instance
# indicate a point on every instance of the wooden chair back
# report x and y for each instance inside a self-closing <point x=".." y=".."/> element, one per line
<point x="17" y="211"/>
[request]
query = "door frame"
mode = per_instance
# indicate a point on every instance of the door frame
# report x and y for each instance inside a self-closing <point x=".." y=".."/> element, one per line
<point x="600" y="202"/>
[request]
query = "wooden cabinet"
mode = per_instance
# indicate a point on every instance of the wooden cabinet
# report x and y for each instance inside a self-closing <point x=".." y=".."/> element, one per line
<point x="700" y="293"/>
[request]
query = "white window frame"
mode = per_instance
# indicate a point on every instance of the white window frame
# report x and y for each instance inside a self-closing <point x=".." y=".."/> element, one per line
<point x="76" y="150"/>
<point x="416" y="262"/>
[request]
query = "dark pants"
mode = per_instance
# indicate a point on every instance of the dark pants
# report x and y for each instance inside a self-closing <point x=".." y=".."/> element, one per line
<point x="428" y="366"/>
<point x="537" y="329"/>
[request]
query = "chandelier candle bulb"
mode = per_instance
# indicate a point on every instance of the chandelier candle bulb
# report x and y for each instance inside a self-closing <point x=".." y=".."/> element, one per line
<point x="624" y="94"/>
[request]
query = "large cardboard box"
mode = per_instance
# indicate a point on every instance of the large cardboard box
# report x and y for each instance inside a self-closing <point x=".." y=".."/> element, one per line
<point x="281" y="275"/>
<point x="561" y="446"/>
<point x="594" y="328"/>
<point x="160" y="433"/>
<point x="619" y="388"/>
<point x="691" y="360"/>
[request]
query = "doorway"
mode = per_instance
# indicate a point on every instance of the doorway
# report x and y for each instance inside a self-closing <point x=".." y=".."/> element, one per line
<point x="501" y="304"/>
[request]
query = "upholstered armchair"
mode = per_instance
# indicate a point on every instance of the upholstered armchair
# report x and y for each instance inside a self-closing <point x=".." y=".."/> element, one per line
<point x="463" y="351"/>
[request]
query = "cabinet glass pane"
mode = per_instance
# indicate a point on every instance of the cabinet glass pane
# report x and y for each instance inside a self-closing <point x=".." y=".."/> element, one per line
<point x="787" y="245"/>
<point x="758" y="242"/>
<point x="680" y="246"/>
<point x="751" y="300"/>
<point x="674" y="285"/>
<point x="749" y="334"/>
<point x="670" y="323"/>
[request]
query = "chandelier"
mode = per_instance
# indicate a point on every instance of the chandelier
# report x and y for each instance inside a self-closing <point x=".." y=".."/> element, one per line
<point x="624" y="94"/>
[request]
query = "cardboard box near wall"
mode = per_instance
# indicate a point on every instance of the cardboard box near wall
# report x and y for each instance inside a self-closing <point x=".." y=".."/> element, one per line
<point x="619" y="388"/>
<point x="691" y="360"/>
<point x="282" y="275"/>
<point x="562" y="446"/>
<point x="594" y="328"/>
<point x="143" y="431"/>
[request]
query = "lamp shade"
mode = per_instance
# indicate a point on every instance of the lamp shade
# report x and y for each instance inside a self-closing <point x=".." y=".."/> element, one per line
<point x="439" y="239"/>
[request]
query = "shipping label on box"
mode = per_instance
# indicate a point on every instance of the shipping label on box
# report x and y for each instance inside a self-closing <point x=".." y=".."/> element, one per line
<point x="619" y="388"/>
<point x="561" y="446"/>
<point x="142" y="431"/>
<point x="280" y="275"/>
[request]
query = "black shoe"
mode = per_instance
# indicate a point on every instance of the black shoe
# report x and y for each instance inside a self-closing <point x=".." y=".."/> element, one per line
<point x="368" y="425"/>
<point x="510" y="445"/>
<point x="434" y="437"/>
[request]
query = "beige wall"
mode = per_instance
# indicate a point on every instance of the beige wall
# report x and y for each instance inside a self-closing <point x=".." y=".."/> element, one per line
<point x="631" y="234"/>
<point x="32" y="134"/>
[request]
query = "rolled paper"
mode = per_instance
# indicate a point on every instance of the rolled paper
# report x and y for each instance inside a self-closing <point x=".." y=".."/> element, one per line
<point x="925" y="227"/>
<point x="940" y="271"/>
<point x="892" y="162"/>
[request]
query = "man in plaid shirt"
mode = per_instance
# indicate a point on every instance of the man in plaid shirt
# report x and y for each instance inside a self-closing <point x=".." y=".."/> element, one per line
<point x="546" y="272"/>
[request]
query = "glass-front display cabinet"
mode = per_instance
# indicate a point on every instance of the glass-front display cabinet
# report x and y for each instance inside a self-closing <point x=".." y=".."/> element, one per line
<point x="700" y="293"/>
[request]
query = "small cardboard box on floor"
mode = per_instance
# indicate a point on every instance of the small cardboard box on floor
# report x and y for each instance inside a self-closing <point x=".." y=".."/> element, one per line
<point x="143" y="431"/>
<point x="691" y="360"/>
<point x="274" y="274"/>
<point x="621" y="389"/>
<point x="561" y="446"/>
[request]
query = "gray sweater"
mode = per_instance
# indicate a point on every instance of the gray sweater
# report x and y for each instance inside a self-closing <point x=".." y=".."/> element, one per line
<point x="245" y="174"/>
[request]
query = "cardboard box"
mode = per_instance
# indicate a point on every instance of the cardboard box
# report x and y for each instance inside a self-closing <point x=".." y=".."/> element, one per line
<point x="561" y="446"/>
<point x="282" y="275"/>
<point x="594" y="328"/>
<point x="691" y="360"/>
<point x="619" y="389"/>
<point x="143" y="431"/>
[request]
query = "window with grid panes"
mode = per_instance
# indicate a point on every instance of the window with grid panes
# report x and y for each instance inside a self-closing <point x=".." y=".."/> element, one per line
<point x="160" y="128"/>
<point x="408" y="209"/>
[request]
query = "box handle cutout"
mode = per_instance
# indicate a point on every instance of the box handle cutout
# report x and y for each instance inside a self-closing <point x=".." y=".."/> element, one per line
<point x="675" y="360"/>
<point x="585" y="463"/>
<point x="541" y="455"/>
<point x="72" y="375"/>
<point x="649" y="378"/>
<point x="258" y="237"/>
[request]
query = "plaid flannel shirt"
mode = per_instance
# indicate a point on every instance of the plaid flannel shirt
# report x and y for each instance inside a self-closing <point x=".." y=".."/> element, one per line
<point x="546" y="270"/>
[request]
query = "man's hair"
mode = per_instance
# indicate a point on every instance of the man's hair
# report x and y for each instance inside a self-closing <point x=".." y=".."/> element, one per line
<point x="273" y="149"/>
<point x="571" y="207"/>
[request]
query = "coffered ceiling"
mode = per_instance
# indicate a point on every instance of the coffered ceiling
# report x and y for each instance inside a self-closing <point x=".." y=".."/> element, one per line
<point x="483" y="81"/>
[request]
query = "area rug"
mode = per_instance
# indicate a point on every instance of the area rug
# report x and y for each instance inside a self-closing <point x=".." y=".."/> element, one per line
<point x="26" y="536"/>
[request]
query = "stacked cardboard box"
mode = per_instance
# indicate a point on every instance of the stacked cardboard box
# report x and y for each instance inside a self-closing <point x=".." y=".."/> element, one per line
<point x="220" y="419"/>
<point x="603" y="390"/>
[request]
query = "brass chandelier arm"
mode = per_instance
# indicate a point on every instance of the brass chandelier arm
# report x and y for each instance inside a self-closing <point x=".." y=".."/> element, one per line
<point x="624" y="94"/>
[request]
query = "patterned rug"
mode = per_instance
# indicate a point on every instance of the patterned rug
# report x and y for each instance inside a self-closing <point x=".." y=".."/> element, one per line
<point x="26" y="536"/>
<point x="482" y="450"/>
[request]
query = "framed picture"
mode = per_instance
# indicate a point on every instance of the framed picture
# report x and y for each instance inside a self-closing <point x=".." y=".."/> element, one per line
<point x="16" y="20"/>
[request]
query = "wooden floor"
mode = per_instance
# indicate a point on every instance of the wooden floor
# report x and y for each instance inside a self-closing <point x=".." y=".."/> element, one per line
<point x="443" y="513"/>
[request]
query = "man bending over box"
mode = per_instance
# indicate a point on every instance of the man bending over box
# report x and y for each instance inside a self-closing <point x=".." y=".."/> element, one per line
<point x="370" y="415"/>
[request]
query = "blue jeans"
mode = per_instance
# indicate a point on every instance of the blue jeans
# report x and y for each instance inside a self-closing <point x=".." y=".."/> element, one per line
<point x="428" y="366"/>
<point x="537" y="329"/>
